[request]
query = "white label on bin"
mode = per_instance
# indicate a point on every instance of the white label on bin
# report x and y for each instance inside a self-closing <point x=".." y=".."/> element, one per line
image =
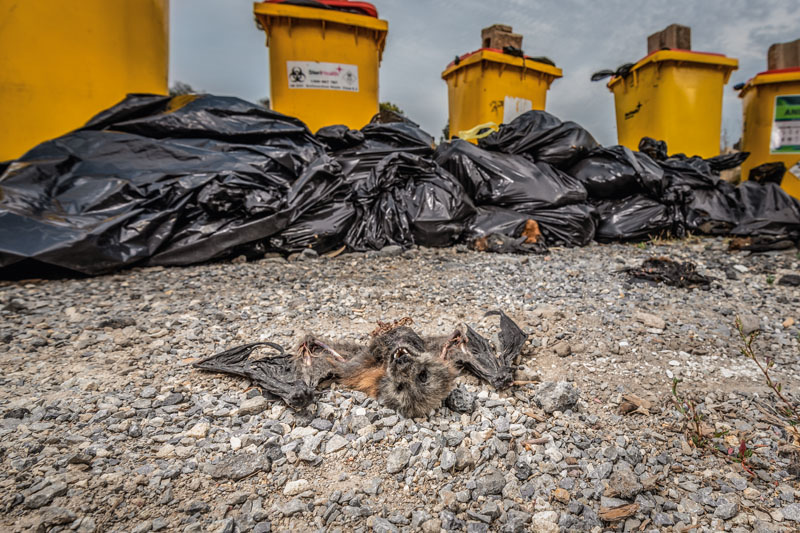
<point x="316" y="75"/>
<point x="514" y="107"/>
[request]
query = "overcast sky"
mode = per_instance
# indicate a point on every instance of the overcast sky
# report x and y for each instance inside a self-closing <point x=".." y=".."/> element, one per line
<point x="216" y="47"/>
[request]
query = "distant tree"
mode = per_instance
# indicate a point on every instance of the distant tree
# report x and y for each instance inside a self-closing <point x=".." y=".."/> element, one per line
<point x="264" y="102"/>
<point x="445" y="132"/>
<point x="388" y="106"/>
<point x="179" y="88"/>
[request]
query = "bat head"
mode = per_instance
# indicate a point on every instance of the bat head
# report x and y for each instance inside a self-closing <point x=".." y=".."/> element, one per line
<point x="416" y="380"/>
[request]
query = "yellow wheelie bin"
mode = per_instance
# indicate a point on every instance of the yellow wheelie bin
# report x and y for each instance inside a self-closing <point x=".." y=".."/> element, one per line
<point x="488" y="86"/>
<point x="771" y="131"/>
<point x="496" y="83"/>
<point x="63" y="62"/>
<point x="673" y="96"/>
<point x="323" y="62"/>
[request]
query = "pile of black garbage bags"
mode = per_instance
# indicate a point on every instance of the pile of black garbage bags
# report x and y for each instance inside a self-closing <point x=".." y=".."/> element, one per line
<point x="175" y="181"/>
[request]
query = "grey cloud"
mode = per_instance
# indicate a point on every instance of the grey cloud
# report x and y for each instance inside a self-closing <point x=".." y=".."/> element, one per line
<point x="216" y="47"/>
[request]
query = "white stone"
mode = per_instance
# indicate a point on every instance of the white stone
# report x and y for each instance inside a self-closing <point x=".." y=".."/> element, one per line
<point x="294" y="488"/>
<point x="198" y="431"/>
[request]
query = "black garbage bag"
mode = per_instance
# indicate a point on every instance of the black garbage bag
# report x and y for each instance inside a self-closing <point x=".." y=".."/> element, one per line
<point x="382" y="139"/>
<point x="727" y="161"/>
<point x="322" y="228"/>
<point x="568" y="225"/>
<point x="656" y="150"/>
<point x="407" y="199"/>
<point x="495" y="229"/>
<point x="542" y="137"/>
<point x="711" y="211"/>
<point x="492" y="178"/>
<point x="490" y="220"/>
<point x="768" y="173"/>
<point x="195" y="119"/>
<point x="616" y="172"/>
<point x="634" y="218"/>
<point x="692" y="172"/>
<point x="339" y="137"/>
<point x="766" y="210"/>
<point x="99" y="199"/>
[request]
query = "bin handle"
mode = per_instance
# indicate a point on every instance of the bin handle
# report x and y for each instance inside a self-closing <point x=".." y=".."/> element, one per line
<point x="476" y="133"/>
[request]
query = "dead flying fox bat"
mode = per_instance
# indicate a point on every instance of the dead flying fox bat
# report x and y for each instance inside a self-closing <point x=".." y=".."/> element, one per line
<point x="398" y="367"/>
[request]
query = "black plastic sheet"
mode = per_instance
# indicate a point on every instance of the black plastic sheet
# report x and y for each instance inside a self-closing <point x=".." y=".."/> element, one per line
<point x="542" y="137"/>
<point x="407" y="199"/>
<point x="492" y="178"/>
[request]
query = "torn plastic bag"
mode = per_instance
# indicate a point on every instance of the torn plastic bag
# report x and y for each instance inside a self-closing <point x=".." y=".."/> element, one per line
<point x="768" y="173"/>
<point x="616" y="172"/>
<point x="491" y="178"/>
<point x="568" y="225"/>
<point x="542" y="137"/>
<point x="407" y="199"/>
<point x="322" y="228"/>
<point x="766" y="210"/>
<point x="637" y="217"/>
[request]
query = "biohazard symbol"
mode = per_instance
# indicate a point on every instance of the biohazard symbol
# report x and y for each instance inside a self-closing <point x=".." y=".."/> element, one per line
<point x="349" y="78"/>
<point x="297" y="75"/>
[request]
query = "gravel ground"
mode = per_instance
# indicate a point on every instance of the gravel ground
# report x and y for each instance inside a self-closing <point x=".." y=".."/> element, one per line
<point x="107" y="427"/>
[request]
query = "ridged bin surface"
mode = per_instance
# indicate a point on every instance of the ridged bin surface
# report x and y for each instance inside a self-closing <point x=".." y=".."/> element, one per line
<point x="310" y="46"/>
<point x="63" y="62"/>
<point x="758" y="106"/>
<point x="673" y="96"/>
<point x="490" y="86"/>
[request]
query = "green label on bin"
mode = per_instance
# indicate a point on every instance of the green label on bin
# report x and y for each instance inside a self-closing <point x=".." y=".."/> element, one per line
<point x="785" y="138"/>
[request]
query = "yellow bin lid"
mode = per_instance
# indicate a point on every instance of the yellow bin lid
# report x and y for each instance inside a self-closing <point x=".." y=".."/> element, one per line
<point x="728" y="64"/>
<point x="768" y="77"/>
<point x="266" y="12"/>
<point x="497" y="56"/>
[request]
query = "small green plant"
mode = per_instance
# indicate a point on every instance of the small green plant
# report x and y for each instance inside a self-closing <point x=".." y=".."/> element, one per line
<point x="704" y="439"/>
<point x="641" y="245"/>
<point x="770" y="279"/>
<point x="788" y="411"/>
<point x="687" y="408"/>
